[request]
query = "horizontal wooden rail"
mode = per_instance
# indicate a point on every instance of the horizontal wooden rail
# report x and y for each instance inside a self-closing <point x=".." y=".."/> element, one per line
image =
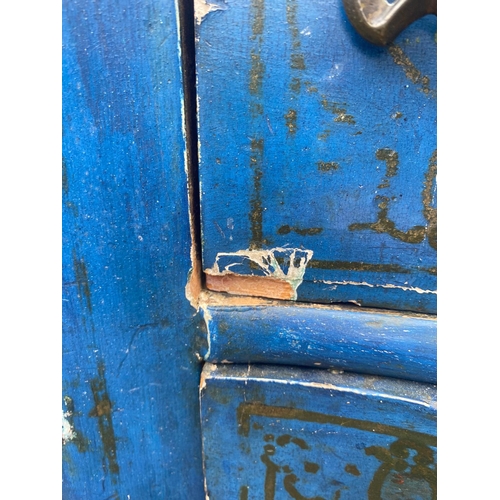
<point x="357" y="340"/>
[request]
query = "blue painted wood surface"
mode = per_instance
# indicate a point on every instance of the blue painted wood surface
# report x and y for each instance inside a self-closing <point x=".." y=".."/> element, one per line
<point x="312" y="138"/>
<point x="130" y="375"/>
<point x="276" y="433"/>
<point x="372" y="342"/>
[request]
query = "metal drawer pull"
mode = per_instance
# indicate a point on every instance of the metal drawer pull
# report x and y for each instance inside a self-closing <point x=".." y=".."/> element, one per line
<point x="380" y="21"/>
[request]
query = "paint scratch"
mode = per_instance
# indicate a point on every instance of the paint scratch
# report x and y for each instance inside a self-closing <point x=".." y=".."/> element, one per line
<point x="370" y="285"/>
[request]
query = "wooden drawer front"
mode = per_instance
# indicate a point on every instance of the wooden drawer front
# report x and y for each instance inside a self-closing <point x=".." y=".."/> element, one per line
<point x="275" y="433"/>
<point x="312" y="139"/>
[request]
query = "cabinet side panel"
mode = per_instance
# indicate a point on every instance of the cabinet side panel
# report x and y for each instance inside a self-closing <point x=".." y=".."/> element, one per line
<point x="130" y="376"/>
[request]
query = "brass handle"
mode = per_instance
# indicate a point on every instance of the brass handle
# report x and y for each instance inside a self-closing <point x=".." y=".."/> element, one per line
<point x="380" y="21"/>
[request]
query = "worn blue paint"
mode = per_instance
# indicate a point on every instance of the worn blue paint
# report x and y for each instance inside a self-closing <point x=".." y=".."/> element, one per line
<point x="276" y="433"/>
<point x="130" y="374"/>
<point x="276" y="110"/>
<point x="312" y="138"/>
<point x="359" y="341"/>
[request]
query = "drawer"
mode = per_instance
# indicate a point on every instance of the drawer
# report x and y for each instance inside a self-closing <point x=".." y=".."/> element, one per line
<point x="317" y="156"/>
<point x="273" y="434"/>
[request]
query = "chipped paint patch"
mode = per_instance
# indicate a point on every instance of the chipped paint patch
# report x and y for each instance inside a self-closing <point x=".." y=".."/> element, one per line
<point x="274" y="273"/>
<point x="68" y="433"/>
<point x="206" y="373"/>
<point x="202" y="8"/>
<point x="370" y="285"/>
<point x="193" y="286"/>
<point x="256" y="286"/>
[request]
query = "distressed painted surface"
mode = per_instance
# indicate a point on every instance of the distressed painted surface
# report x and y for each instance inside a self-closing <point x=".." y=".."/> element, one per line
<point x="130" y="376"/>
<point x="276" y="433"/>
<point x="370" y="342"/>
<point x="312" y="138"/>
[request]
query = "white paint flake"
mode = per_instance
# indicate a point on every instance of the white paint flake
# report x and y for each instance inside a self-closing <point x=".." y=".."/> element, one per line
<point x="68" y="432"/>
<point x="292" y="270"/>
<point x="203" y="8"/>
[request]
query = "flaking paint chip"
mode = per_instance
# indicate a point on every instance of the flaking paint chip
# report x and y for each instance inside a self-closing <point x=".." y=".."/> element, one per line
<point x="275" y="273"/>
